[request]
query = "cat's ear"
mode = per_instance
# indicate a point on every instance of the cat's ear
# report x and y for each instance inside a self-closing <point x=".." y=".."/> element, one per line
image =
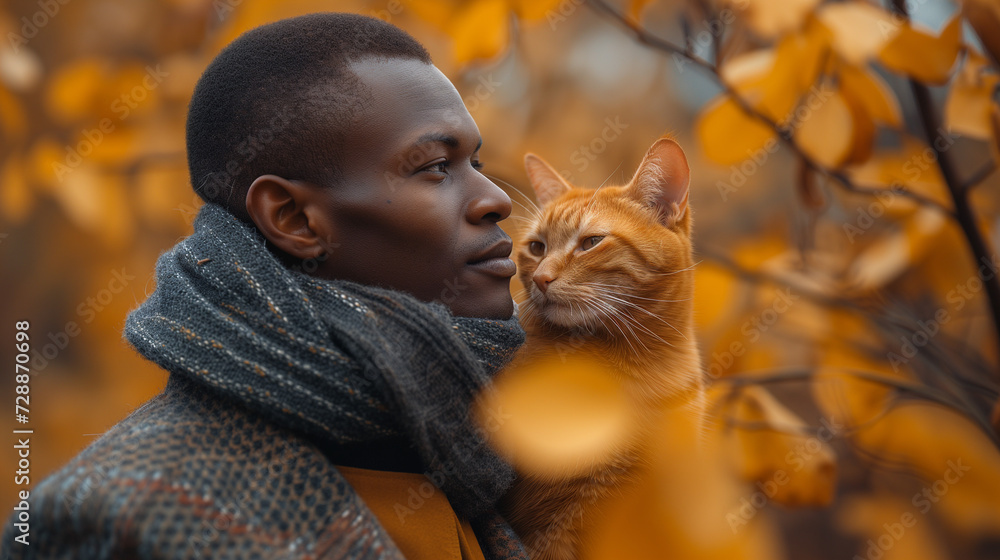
<point x="547" y="182"/>
<point x="662" y="180"/>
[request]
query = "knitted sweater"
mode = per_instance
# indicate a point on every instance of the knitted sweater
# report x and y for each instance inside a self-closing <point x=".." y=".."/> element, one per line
<point x="256" y="491"/>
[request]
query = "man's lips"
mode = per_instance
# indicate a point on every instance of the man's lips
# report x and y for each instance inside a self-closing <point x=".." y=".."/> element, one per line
<point x="498" y="266"/>
<point x="495" y="260"/>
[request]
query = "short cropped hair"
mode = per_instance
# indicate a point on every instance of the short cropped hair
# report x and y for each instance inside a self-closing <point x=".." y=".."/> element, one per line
<point x="279" y="99"/>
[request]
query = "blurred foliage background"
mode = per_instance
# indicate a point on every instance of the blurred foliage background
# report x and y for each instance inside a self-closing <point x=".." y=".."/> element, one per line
<point x="842" y="155"/>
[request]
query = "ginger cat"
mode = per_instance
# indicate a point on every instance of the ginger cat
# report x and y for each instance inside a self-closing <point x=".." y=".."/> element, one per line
<point x="611" y="269"/>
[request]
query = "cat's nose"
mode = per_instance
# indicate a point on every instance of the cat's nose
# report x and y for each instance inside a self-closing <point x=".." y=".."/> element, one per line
<point x="542" y="280"/>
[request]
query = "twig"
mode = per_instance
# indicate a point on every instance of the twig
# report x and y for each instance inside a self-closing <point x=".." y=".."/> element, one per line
<point x="962" y="213"/>
<point x="968" y="381"/>
<point x="791" y="374"/>
<point x="979" y="176"/>
<point x="783" y="133"/>
<point x="850" y="186"/>
<point x="887" y="321"/>
<point x="981" y="252"/>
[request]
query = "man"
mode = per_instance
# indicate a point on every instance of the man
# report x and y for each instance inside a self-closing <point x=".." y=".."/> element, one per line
<point x="344" y="297"/>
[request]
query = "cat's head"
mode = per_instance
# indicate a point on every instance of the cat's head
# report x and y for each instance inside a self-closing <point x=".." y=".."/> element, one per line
<point x="591" y="256"/>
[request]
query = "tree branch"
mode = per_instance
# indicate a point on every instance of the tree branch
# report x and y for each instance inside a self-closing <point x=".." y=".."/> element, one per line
<point x="782" y="375"/>
<point x="968" y="380"/>
<point x="964" y="215"/>
<point x="784" y="134"/>
<point x="979" y="176"/>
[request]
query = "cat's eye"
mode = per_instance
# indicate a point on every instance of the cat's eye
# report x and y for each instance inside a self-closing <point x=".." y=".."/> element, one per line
<point x="589" y="242"/>
<point x="536" y="248"/>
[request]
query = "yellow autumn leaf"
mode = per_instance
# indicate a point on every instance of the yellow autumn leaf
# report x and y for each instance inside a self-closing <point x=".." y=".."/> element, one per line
<point x="435" y="12"/>
<point x="811" y="49"/>
<point x="957" y="461"/>
<point x="871" y="93"/>
<point x="74" y="90"/>
<point x="984" y="17"/>
<point x="863" y="141"/>
<point x="557" y="415"/>
<point x="184" y="71"/>
<point x="127" y="93"/>
<point x="479" y="30"/>
<point x="44" y="157"/>
<point x="842" y="396"/>
<point x="912" y="165"/>
<point x="635" y="8"/>
<point x="773" y="18"/>
<point x="715" y="295"/>
<point x="13" y="120"/>
<point x="534" y="10"/>
<point x="860" y="30"/>
<point x="96" y="202"/>
<point x="16" y="198"/>
<point x="995" y="126"/>
<point x="795" y="65"/>
<point x="892" y="254"/>
<point x="117" y="147"/>
<point x="746" y="72"/>
<point x="923" y="56"/>
<point x="685" y="504"/>
<point x="773" y="81"/>
<point x="759" y="80"/>
<point x="970" y="100"/>
<point x="827" y="133"/>
<point x="21" y="70"/>
<point x="79" y="194"/>
<point x="773" y="448"/>
<point x="889" y="528"/>
<point x="728" y="135"/>
<point x="160" y="192"/>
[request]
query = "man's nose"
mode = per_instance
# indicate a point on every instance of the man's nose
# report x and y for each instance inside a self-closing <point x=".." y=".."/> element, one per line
<point x="542" y="279"/>
<point x="491" y="202"/>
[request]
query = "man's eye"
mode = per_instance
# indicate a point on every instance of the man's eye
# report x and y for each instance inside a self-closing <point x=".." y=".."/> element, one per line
<point x="478" y="165"/>
<point x="437" y="167"/>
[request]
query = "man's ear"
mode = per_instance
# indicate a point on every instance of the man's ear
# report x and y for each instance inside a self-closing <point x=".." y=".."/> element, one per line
<point x="547" y="182"/>
<point x="661" y="182"/>
<point x="287" y="213"/>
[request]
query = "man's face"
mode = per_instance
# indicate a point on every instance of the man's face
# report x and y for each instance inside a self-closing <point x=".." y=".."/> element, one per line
<point x="413" y="210"/>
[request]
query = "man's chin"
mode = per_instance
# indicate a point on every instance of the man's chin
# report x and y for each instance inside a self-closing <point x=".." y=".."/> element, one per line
<point x="494" y="303"/>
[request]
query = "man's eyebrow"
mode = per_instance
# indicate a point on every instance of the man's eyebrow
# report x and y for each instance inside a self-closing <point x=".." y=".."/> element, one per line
<point x="446" y="139"/>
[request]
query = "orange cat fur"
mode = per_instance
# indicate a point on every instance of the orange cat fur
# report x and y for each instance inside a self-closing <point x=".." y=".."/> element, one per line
<point x="612" y="269"/>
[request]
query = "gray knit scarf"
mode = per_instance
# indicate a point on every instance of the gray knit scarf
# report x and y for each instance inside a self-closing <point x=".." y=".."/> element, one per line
<point x="338" y="361"/>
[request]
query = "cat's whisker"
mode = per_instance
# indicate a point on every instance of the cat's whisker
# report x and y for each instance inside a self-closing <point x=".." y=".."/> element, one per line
<point x="533" y="214"/>
<point x="628" y="325"/>
<point x="640" y="297"/>
<point x="602" y="288"/>
<point x="692" y="267"/>
<point x="628" y="316"/>
<point x="581" y="313"/>
<point x="591" y="201"/>
<point x="528" y="306"/>
<point x="646" y="311"/>
<point x="645" y="329"/>
<point x="537" y="212"/>
<point x="625" y="321"/>
<point x="615" y="323"/>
